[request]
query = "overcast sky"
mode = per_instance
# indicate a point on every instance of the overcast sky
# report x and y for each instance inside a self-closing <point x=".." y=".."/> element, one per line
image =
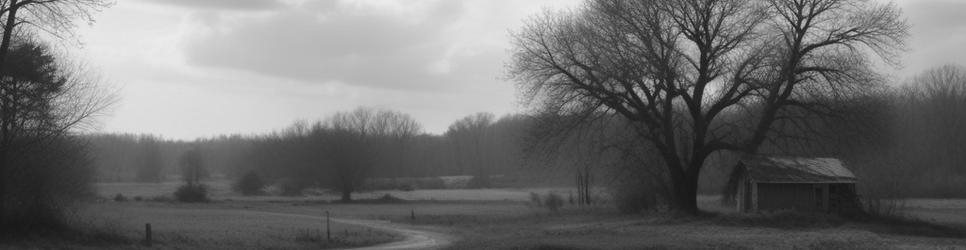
<point x="199" y="68"/>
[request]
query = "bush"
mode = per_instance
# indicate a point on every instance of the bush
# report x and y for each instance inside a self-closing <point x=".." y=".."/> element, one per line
<point x="191" y="193"/>
<point x="45" y="182"/>
<point x="120" y="198"/>
<point x="553" y="201"/>
<point x="249" y="184"/>
<point x="535" y="200"/>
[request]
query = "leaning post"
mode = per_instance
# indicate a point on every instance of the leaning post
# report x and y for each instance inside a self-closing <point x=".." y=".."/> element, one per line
<point x="328" y="231"/>
<point x="147" y="234"/>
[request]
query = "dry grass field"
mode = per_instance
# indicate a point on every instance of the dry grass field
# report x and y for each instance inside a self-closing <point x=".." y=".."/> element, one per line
<point x="481" y="219"/>
<point x="212" y="226"/>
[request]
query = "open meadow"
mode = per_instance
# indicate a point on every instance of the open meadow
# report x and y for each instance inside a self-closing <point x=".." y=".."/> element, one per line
<point x="488" y="219"/>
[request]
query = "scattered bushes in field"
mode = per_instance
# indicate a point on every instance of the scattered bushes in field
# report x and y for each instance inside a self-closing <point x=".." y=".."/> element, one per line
<point x="119" y="197"/>
<point x="192" y="193"/>
<point x="249" y="184"/>
<point x="289" y="189"/>
<point x="551" y="201"/>
<point x="404" y="184"/>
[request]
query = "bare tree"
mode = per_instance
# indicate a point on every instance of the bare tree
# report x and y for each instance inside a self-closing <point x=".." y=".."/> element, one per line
<point x="55" y="17"/>
<point x="677" y="70"/>
<point x="355" y="141"/>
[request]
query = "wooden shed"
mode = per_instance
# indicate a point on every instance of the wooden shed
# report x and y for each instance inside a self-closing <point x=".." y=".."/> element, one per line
<point x="792" y="183"/>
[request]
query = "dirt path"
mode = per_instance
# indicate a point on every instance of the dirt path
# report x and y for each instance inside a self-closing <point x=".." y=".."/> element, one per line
<point x="414" y="238"/>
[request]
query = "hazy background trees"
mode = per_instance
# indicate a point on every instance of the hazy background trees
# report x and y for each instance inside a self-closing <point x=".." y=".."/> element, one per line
<point x="151" y="161"/>
<point x="472" y="141"/>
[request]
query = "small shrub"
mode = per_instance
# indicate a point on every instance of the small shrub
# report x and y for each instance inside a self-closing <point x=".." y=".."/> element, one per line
<point x="138" y="198"/>
<point x="191" y="193"/>
<point x="553" y="201"/>
<point x="249" y="184"/>
<point x="535" y="200"/>
<point x="120" y="198"/>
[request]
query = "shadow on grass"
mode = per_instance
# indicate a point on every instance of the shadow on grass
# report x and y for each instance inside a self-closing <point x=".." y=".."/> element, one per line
<point x="905" y="225"/>
<point x="883" y="224"/>
<point x="51" y="236"/>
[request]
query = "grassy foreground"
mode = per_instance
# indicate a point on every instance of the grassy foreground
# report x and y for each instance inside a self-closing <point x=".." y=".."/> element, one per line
<point x="203" y="226"/>
<point x="490" y="219"/>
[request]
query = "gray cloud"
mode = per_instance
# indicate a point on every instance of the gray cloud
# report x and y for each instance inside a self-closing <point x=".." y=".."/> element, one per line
<point x="938" y="34"/>
<point x="321" y="43"/>
<point x="935" y="19"/>
<point x="222" y="4"/>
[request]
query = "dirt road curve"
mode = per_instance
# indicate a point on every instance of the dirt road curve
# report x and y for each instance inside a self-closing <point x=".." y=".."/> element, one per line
<point x="414" y="238"/>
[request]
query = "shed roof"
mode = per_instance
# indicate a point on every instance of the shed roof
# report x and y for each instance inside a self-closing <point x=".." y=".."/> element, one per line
<point x="797" y="170"/>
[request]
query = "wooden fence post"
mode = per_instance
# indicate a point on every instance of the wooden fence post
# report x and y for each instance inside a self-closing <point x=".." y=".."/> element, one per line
<point x="147" y="234"/>
<point x="328" y="231"/>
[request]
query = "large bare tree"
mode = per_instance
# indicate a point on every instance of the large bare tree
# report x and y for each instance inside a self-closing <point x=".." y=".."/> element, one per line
<point x="355" y="141"/>
<point x="683" y="71"/>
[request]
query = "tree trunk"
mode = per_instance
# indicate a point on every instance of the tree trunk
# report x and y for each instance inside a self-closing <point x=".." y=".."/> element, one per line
<point x="8" y="29"/>
<point x="685" y="194"/>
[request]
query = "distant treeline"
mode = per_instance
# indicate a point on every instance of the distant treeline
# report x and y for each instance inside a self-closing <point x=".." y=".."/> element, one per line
<point x="470" y="147"/>
<point x="899" y="140"/>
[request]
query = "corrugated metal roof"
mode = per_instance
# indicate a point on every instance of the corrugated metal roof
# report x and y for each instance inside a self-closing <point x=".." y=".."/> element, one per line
<point x="797" y="169"/>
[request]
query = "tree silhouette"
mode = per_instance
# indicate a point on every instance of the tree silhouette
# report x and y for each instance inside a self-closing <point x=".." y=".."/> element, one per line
<point x="677" y="69"/>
